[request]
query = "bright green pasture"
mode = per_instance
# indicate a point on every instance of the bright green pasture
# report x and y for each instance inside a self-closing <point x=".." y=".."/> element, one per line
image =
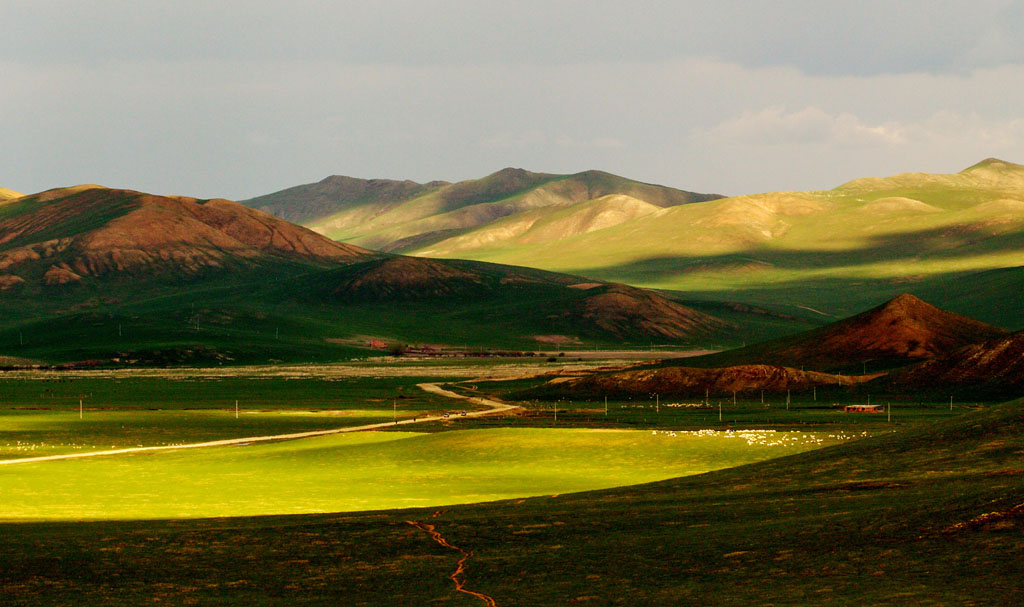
<point x="370" y="471"/>
<point x="40" y="416"/>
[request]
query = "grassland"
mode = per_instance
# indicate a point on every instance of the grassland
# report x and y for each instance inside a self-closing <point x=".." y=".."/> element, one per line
<point x="39" y="412"/>
<point x="372" y="471"/>
<point x="927" y="511"/>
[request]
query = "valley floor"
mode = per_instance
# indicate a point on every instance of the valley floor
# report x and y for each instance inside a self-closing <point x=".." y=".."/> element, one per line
<point x="928" y="511"/>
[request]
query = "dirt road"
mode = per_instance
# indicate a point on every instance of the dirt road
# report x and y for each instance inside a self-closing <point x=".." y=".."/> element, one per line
<point x="494" y="407"/>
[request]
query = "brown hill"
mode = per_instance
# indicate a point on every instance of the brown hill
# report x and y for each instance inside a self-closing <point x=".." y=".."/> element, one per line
<point x="994" y="368"/>
<point x="411" y="278"/>
<point x="60" y="236"/>
<point x="619" y="309"/>
<point x="902" y="329"/>
<point x="688" y="382"/>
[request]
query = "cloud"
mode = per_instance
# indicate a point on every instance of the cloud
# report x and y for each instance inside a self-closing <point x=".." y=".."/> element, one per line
<point x="811" y="125"/>
<point x="189" y="127"/>
<point x="867" y="37"/>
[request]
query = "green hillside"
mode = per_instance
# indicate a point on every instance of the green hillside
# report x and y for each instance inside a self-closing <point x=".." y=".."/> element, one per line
<point x="835" y="251"/>
<point x="400" y="216"/>
<point x="98" y="274"/>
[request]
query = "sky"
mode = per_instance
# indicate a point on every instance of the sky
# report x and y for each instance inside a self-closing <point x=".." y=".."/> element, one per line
<point x="236" y="99"/>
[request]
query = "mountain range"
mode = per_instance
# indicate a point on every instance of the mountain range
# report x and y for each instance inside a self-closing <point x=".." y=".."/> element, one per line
<point x="95" y="273"/>
<point x="750" y="268"/>
<point x="403" y="216"/>
<point x="955" y="239"/>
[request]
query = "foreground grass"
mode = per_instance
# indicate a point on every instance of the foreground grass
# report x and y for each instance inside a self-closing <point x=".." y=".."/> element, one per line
<point x="373" y="470"/>
<point x="929" y="515"/>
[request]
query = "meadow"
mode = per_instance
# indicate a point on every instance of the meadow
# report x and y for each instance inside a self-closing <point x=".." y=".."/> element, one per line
<point x="652" y="504"/>
<point x="373" y="471"/>
<point x="53" y="413"/>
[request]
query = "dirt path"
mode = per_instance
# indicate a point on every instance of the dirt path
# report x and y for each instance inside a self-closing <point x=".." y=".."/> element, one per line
<point x="460" y="569"/>
<point x="494" y="407"/>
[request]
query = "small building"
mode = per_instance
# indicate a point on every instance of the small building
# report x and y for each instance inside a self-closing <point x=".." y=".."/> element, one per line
<point x="863" y="409"/>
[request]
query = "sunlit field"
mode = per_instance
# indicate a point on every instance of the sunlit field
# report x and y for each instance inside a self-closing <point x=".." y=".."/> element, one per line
<point x="375" y="470"/>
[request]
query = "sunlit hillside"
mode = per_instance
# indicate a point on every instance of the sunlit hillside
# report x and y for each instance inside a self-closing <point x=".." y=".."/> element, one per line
<point x="833" y="250"/>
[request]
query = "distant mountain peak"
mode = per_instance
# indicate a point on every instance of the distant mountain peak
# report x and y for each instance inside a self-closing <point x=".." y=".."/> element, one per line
<point x="994" y="164"/>
<point x="906" y="305"/>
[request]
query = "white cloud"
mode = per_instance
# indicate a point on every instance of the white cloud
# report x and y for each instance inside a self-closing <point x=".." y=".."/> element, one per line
<point x="811" y="125"/>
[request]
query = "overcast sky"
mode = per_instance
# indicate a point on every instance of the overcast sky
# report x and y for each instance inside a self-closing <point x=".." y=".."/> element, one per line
<point x="241" y="98"/>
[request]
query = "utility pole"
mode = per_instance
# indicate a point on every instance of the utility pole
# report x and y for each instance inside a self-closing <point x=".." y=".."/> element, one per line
<point x="236" y="408"/>
<point x="787" y="400"/>
<point x="606" y="405"/>
<point x="79" y="408"/>
<point x="950" y="402"/>
<point x="719" y="410"/>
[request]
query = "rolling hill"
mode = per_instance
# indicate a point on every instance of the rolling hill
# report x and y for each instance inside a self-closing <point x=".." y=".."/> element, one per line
<point x="509" y="205"/>
<point x="834" y="252"/>
<point x="94" y="273"/>
<point x="689" y="382"/>
<point x="64" y="235"/>
<point x="899" y="332"/>
<point x="991" y="369"/>
<point x="6" y="195"/>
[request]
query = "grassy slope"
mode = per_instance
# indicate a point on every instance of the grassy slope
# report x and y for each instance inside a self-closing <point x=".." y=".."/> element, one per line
<point x="900" y="519"/>
<point x="287" y="312"/>
<point x="841" y="250"/>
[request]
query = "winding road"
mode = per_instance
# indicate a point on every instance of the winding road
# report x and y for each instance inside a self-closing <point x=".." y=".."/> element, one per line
<point x="494" y="408"/>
